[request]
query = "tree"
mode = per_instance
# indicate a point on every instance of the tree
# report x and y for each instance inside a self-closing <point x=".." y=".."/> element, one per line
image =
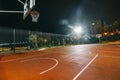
<point x="116" y="25"/>
<point x="33" y="41"/>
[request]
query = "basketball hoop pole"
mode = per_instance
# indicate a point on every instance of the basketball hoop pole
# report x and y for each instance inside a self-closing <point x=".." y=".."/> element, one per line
<point x="5" y="11"/>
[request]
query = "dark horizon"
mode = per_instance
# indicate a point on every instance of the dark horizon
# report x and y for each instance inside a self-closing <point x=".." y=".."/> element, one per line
<point x="53" y="12"/>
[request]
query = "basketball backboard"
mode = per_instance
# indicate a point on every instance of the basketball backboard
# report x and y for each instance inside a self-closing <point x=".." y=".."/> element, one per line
<point x="28" y="6"/>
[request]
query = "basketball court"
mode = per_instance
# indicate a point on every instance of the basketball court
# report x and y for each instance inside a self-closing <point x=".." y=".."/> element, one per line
<point x="81" y="62"/>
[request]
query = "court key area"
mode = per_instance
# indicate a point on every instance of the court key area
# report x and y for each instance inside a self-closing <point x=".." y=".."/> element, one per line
<point x="80" y="62"/>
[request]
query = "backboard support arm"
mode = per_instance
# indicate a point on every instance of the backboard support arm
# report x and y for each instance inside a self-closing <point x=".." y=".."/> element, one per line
<point x="21" y="2"/>
<point x="28" y="6"/>
<point x="6" y="11"/>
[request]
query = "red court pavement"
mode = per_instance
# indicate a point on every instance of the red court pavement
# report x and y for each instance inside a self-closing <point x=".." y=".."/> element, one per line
<point x="81" y="62"/>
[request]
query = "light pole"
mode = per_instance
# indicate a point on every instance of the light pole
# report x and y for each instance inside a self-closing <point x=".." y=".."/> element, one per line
<point x="99" y="36"/>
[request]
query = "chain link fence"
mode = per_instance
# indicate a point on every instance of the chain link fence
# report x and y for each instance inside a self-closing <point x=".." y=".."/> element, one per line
<point x="16" y="40"/>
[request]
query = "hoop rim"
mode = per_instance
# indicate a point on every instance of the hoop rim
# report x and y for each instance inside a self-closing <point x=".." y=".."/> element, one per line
<point x="34" y="12"/>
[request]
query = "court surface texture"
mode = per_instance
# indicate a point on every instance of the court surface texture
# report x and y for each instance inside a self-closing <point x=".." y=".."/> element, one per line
<point x="79" y="62"/>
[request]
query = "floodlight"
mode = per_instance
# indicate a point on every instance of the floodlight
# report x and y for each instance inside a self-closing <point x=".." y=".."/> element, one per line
<point x="77" y="30"/>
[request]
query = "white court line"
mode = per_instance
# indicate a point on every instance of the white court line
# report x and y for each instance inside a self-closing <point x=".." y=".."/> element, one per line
<point x="18" y="59"/>
<point x="44" y="58"/>
<point x="85" y="68"/>
<point x="22" y="58"/>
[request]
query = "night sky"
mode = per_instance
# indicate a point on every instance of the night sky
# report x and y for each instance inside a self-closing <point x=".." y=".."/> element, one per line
<point x="53" y="12"/>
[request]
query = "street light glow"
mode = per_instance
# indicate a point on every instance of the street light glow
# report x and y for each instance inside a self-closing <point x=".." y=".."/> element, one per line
<point x="78" y="30"/>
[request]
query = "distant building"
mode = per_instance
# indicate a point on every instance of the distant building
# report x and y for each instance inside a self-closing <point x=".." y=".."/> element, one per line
<point x="97" y="27"/>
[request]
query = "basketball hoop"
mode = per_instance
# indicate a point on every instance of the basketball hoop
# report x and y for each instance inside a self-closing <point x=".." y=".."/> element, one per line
<point x="35" y="15"/>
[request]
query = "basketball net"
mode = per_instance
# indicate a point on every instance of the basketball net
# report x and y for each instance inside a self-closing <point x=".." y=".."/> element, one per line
<point x="35" y="15"/>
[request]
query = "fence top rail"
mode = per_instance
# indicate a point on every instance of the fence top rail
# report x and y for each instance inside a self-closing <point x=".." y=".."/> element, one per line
<point x="4" y="44"/>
